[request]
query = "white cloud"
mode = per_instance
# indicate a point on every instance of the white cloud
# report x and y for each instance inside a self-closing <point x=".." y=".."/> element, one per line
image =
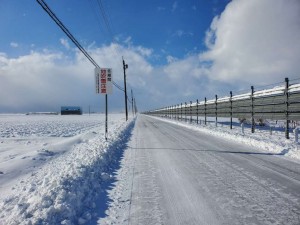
<point x="46" y="80"/>
<point x="128" y="40"/>
<point x="171" y="59"/>
<point x="65" y="43"/>
<point x="14" y="44"/>
<point x="255" y="41"/>
<point x="174" y="6"/>
<point x="184" y="69"/>
<point x="180" y="33"/>
<point x="144" y="51"/>
<point x="251" y="42"/>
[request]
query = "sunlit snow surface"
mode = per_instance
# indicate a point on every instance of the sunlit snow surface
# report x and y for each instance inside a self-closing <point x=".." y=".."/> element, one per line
<point x="269" y="138"/>
<point x="52" y="166"/>
<point x="57" y="169"/>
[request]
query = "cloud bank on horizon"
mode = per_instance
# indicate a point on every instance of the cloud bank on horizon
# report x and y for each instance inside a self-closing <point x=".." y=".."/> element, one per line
<point x="250" y="43"/>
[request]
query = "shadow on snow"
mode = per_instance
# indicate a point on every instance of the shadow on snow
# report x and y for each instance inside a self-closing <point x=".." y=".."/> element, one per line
<point x="112" y="159"/>
<point x="283" y="152"/>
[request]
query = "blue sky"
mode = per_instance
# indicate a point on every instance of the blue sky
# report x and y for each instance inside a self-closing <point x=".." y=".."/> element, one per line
<point x="168" y="27"/>
<point x="176" y="50"/>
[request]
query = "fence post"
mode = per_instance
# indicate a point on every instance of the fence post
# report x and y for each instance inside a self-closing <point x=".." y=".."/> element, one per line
<point x="287" y="136"/>
<point x="191" y="112"/>
<point x="167" y="112"/>
<point x="252" y="110"/>
<point x="216" y="112"/>
<point x="205" y="111"/>
<point x="242" y="126"/>
<point x="181" y="112"/>
<point x="185" y="105"/>
<point x="173" y="113"/>
<point x="197" y="110"/>
<point x="231" y="110"/>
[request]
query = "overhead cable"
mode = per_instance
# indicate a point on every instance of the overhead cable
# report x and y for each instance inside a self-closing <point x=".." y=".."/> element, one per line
<point x="66" y="31"/>
<point x="105" y="17"/>
<point x="118" y="86"/>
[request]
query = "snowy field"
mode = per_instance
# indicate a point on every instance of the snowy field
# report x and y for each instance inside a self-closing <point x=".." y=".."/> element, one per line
<point x="52" y="167"/>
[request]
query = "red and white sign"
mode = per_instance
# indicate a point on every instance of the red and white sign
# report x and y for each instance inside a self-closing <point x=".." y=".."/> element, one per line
<point x="103" y="77"/>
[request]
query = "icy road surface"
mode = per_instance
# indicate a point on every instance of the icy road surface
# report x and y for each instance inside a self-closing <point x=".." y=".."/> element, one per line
<point x="180" y="176"/>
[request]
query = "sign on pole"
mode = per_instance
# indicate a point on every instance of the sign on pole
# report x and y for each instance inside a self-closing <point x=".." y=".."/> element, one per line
<point x="103" y="78"/>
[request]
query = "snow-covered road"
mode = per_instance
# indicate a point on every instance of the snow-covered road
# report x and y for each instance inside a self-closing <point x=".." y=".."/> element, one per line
<point x="182" y="176"/>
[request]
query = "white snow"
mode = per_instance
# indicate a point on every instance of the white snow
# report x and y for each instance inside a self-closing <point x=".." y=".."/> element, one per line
<point x="53" y="168"/>
<point x="263" y="138"/>
<point x="185" y="176"/>
<point x="58" y="169"/>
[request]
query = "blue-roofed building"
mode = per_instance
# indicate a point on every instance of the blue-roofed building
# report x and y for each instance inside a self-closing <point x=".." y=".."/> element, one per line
<point x="71" y="110"/>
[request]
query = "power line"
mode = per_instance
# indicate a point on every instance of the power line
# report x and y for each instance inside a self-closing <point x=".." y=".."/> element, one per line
<point x="117" y="86"/>
<point x="93" y="6"/>
<point x="105" y="17"/>
<point x="107" y="22"/>
<point x="73" y="39"/>
<point x="129" y="100"/>
<point x="66" y="31"/>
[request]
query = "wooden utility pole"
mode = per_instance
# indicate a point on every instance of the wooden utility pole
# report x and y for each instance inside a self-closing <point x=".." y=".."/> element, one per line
<point x="125" y="66"/>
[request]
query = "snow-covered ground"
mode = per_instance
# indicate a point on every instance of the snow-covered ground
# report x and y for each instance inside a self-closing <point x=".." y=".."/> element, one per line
<point x="53" y="168"/>
<point x="60" y="170"/>
<point x="264" y="138"/>
<point x="191" y="174"/>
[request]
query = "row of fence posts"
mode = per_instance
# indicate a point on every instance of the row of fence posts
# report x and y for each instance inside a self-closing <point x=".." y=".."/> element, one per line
<point x="178" y="107"/>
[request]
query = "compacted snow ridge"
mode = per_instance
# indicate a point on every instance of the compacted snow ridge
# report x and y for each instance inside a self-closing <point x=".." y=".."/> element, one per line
<point x="56" y="169"/>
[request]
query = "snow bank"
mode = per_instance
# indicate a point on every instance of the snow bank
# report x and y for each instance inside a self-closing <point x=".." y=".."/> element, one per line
<point x="66" y="188"/>
<point x="274" y="143"/>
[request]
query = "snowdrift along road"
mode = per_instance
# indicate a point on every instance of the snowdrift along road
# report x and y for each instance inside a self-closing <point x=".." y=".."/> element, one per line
<point x="56" y="169"/>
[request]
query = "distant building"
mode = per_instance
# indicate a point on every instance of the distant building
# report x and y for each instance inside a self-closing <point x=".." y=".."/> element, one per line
<point x="71" y="110"/>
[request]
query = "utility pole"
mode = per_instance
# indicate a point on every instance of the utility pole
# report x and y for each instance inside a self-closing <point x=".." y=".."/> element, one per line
<point x="125" y="66"/>
<point x="106" y="115"/>
<point x="135" y="108"/>
<point x="132" y="103"/>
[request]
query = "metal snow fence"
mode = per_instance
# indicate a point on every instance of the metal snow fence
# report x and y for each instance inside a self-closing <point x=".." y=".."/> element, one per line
<point x="279" y="103"/>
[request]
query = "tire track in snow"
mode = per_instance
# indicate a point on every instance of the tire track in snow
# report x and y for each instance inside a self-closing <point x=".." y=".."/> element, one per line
<point x="225" y="172"/>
